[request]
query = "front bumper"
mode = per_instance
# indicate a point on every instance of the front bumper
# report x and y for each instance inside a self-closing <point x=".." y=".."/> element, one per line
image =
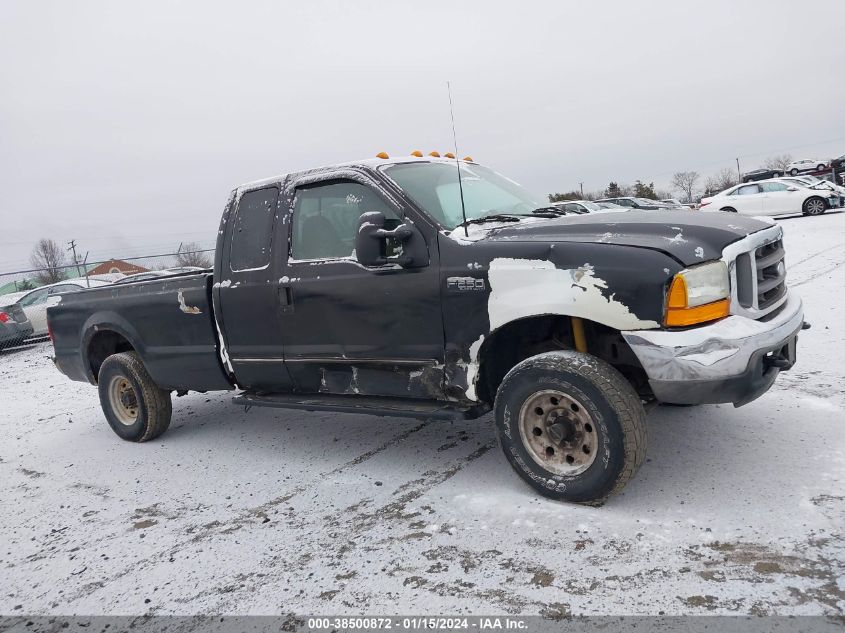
<point x="733" y="360"/>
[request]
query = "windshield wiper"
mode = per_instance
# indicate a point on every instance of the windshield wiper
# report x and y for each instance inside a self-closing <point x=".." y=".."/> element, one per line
<point x="551" y="212"/>
<point x="493" y="217"/>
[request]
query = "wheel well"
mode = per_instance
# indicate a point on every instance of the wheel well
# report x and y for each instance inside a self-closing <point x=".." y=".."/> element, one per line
<point x="102" y="345"/>
<point x="516" y="341"/>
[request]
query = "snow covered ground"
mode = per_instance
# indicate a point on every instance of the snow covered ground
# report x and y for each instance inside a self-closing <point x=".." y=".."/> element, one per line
<point x="735" y="511"/>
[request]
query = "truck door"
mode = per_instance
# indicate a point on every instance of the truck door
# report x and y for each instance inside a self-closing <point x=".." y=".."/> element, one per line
<point x="245" y="291"/>
<point x="347" y="328"/>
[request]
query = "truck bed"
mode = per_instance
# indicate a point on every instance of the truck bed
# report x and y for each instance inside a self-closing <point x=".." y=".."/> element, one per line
<point x="168" y="321"/>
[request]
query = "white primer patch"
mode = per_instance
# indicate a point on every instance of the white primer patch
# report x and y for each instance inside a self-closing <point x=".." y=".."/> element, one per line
<point x="186" y="308"/>
<point x="520" y="288"/>
<point x="472" y="368"/>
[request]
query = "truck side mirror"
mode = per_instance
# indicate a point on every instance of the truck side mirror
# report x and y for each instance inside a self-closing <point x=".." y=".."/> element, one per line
<point x="376" y="245"/>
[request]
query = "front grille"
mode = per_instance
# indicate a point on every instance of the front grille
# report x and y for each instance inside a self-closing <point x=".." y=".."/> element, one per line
<point x="761" y="279"/>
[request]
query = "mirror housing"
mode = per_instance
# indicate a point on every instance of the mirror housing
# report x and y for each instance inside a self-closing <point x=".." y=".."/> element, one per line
<point x="372" y="240"/>
<point x="792" y="188"/>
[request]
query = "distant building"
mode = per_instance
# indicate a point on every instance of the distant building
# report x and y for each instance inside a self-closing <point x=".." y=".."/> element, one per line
<point x="117" y="266"/>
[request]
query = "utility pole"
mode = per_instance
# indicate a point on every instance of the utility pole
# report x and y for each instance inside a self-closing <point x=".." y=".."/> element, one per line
<point x="85" y="268"/>
<point x="581" y="184"/>
<point x="738" y="172"/>
<point x="75" y="261"/>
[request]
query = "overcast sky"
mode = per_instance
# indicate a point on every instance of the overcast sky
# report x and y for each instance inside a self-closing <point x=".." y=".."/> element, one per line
<point x="125" y="128"/>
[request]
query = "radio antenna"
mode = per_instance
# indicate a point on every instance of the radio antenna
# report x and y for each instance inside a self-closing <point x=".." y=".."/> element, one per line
<point x="457" y="162"/>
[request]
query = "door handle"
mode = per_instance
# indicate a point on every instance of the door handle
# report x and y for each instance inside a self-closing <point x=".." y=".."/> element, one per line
<point x="285" y="299"/>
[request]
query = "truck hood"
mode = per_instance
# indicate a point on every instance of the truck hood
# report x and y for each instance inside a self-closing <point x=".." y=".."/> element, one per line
<point x="691" y="237"/>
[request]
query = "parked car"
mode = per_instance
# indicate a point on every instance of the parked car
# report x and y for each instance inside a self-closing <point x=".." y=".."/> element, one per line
<point x="154" y="274"/>
<point x="838" y="163"/>
<point x="610" y="205"/>
<point x="772" y="197"/>
<point x="368" y="287"/>
<point x="761" y="174"/>
<point x="808" y="180"/>
<point x="637" y="203"/>
<point x="678" y="204"/>
<point x="805" y="164"/>
<point x="579" y="207"/>
<point x="35" y="302"/>
<point x="15" y="328"/>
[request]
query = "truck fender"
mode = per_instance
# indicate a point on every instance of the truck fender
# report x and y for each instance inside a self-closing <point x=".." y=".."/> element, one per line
<point x="107" y="321"/>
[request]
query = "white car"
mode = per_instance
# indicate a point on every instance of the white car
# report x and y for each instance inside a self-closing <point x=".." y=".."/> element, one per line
<point x="805" y="164"/>
<point x="772" y="197"/>
<point x="35" y="302"/>
<point x="811" y="181"/>
<point x="579" y="207"/>
<point x="677" y="203"/>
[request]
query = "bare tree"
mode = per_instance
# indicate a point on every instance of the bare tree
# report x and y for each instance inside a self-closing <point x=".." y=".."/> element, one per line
<point x="722" y="180"/>
<point x="778" y="162"/>
<point x="685" y="182"/>
<point x="49" y="258"/>
<point x="191" y="254"/>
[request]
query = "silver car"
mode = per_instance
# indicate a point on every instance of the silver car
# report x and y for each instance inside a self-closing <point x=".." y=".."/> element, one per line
<point x="15" y="328"/>
<point x="36" y="302"/>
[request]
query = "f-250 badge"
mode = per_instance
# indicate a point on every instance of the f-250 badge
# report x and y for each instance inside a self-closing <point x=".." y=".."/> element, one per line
<point x="465" y="284"/>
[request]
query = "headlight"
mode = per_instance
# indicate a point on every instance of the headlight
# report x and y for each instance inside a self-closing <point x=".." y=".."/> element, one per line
<point x="698" y="295"/>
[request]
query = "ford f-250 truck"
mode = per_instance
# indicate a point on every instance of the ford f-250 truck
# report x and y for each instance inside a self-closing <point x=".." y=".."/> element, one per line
<point x="392" y="287"/>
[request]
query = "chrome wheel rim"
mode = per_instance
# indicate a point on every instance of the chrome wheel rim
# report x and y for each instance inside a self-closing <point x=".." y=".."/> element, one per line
<point x="814" y="207"/>
<point x="558" y="433"/>
<point x="124" y="400"/>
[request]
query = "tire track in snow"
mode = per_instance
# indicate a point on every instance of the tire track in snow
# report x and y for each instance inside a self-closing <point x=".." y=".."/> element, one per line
<point x="355" y="521"/>
<point x="828" y="264"/>
<point x="247" y="516"/>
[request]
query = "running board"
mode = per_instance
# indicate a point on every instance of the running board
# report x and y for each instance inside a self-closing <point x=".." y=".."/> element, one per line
<point x="369" y="405"/>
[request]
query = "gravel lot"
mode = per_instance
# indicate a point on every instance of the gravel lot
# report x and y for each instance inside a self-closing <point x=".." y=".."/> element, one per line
<point x="267" y="512"/>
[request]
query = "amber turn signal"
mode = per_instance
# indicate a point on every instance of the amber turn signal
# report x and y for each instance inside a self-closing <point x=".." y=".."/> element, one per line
<point x="677" y="293"/>
<point x="680" y="317"/>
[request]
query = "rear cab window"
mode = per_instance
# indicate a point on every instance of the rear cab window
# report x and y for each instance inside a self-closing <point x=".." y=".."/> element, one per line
<point x="252" y="229"/>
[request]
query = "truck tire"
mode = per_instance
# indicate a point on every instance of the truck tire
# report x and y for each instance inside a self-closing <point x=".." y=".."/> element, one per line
<point x="571" y="426"/>
<point x="135" y="407"/>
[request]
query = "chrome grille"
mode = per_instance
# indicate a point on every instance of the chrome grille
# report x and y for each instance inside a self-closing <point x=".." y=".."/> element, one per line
<point x="771" y="274"/>
<point x="759" y="279"/>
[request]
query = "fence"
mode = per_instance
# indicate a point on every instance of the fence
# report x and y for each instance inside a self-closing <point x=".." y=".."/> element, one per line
<point x="26" y="294"/>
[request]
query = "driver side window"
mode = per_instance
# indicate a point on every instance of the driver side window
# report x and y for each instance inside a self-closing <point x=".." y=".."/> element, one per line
<point x="325" y="218"/>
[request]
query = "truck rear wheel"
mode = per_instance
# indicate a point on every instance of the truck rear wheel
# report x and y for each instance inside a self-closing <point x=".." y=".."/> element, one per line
<point x="571" y="426"/>
<point x="135" y="407"/>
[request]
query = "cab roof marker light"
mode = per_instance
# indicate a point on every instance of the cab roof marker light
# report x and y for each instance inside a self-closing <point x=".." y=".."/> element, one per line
<point x="449" y="155"/>
<point x="417" y="153"/>
<point x="468" y="159"/>
<point x="382" y="155"/>
<point x="435" y="154"/>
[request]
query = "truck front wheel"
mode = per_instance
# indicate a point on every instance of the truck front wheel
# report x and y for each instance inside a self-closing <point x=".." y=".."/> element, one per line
<point x="571" y="426"/>
<point x="135" y="407"/>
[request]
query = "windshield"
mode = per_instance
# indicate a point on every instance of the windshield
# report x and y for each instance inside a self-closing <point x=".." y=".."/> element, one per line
<point x="592" y="206"/>
<point x="434" y="187"/>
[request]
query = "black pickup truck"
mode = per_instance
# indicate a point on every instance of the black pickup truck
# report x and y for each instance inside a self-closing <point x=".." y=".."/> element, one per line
<point x="394" y="287"/>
